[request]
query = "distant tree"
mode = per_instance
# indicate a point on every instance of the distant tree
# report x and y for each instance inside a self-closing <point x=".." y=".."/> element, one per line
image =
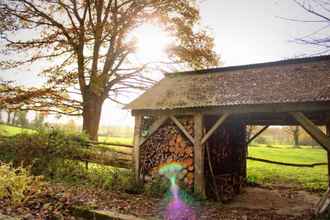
<point x="14" y="117"/>
<point x="294" y="132"/>
<point x="8" y="116"/>
<point x="319" y="13"/>
<point x="38" y="121"/>
<point x="11" y="116"/>
<point x="91" y="46"/>
<point x="21" y="119"/>
<point x="306" y="139"/>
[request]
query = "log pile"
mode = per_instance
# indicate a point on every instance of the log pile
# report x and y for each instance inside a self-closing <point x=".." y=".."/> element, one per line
<point x="229" y="185"/>
<point x="168" y="144"/>
<point x="227" y="148"/>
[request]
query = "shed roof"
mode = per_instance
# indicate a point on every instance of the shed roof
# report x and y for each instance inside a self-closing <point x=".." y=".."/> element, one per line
<point x="287" y="81"/>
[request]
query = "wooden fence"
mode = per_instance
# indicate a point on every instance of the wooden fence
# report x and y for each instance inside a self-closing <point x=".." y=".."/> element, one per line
<point x="121" y="155"/>
<point x="109" y="154"/>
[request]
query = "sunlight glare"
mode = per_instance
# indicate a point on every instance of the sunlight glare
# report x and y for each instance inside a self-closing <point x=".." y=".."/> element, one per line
<point x="152" y="42"/>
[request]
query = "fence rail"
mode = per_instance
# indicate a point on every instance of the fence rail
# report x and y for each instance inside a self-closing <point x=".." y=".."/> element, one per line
<point x="285" y="163"/>
<point x="122" y="157"/>
<point x="110" y="144"/>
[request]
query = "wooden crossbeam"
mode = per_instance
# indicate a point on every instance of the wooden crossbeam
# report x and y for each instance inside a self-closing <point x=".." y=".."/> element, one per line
<point x="257" y="134"/>
<point x="136" y="149"/>
<point x="153" y="128"/>
<point x="312" y="129"/>
<point x="214" y="127"/>
<point x="182" y="128"/>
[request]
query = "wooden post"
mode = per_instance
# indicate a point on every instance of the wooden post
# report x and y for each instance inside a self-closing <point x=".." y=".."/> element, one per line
<point x="199" y="153"/>
<point x="137" y="137"/>
<point x="328" y="152"/>
<point x="324" y="202"/>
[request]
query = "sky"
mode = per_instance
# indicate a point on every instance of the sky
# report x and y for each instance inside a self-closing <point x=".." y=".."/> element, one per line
<point x="245" y="32"/>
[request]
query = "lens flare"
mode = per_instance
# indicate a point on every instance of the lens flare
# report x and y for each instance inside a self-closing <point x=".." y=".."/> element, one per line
<point x="177" y="207"/>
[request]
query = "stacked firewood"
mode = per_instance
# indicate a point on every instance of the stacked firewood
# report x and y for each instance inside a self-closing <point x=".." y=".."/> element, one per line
<point x="227" y="152"/>
<point x="167" y="145"/>
<point x="229" y="185"/>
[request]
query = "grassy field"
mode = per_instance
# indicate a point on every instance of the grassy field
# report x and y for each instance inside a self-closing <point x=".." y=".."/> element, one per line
<point x="120" y="140"/>
<point x="8" y="130"/>
<point x="263" y="173"/>
<point x="309" y="178"/>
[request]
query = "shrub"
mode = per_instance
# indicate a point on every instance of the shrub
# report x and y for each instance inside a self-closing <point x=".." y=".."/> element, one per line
<point x="158" y="186"/>
<point x="251" y="180"/>
<point x="56" y="153"/>
<point x="15" y="182"/>
<point x="44" y="151"/>
<point x="131" y="185"/>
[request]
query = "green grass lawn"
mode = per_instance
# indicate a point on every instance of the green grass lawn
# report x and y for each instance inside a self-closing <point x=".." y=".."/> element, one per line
<point x="8" y="130"/>
<point x="309" y="178"/>
<point x="119" y="140"/>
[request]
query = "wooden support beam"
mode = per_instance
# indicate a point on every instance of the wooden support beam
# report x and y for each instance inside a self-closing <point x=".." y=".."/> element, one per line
<point x="181" y="127"/>
<point x="312" y="129"/>
<point x="257" y="134"/>
<point x="243" y="109"/>
<point x="214" y="127"/>
<point x="199" y="156"/>
<point x="153" y="128"/>
<point x="324" y="202"/>
<point x="136" y="150"/>
<point x="327" y="126"/>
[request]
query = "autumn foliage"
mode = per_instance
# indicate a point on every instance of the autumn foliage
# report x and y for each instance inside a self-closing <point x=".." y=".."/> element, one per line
<point x="88" y="48"/>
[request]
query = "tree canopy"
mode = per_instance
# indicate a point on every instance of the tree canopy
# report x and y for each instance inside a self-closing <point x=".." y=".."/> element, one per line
<point x="319" y="14"/>
<point x="88" y="47"/>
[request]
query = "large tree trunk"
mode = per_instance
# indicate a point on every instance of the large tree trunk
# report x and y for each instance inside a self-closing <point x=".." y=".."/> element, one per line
<point x="91" y="115"/>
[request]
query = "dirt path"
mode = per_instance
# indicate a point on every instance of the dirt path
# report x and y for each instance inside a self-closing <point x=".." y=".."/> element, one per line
<point x="255" y="203"/>
<point x="281" y="201"/>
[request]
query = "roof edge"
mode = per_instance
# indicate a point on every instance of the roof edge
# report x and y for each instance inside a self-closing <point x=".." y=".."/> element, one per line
<point x="255" y="65"/>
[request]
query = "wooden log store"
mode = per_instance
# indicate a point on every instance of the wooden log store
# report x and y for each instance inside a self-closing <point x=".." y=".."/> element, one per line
<point x="199" y="118"/>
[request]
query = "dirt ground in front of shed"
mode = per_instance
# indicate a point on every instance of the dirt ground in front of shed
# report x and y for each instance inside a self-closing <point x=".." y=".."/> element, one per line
<point x="254" y="203"/>
<point x="278" y="200"/>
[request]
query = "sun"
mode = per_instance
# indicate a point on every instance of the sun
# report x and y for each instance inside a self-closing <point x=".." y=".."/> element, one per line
<point x="152" y="42"/>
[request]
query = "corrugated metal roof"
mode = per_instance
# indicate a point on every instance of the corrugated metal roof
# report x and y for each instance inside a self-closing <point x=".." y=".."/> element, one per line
<point x="289" y="81"/>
